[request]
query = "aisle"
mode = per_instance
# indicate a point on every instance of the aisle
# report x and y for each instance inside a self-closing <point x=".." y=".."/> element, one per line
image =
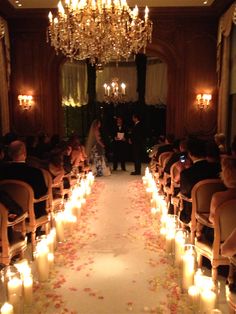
<point x="114" y="262"/>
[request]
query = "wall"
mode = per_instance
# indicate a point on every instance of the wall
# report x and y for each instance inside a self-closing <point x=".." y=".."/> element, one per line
<point x="187" y="44"/>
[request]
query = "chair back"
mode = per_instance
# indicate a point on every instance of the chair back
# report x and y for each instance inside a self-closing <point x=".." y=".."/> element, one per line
<point x="202" y="193"/>
<point x="48" y="181"/>
<point x="21" y="192"/>
<point x="164" y="157"/>
<point x="224" y="223"/>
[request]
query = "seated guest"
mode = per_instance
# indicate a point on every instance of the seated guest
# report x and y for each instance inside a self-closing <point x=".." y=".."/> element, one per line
<point x="228" y="176"/>
<point x="180" y="150"/>
<point x="66" y="150"/>
<point x="167" y="147"/>
<point x="213" y="155"/>
<point x="31" y="143"/>
<point x="200" y="170"/>
<point x="55" y="166"/>
<point x="42" y="147"/>
<point x="2" y="154"/>
<point x="220" y="141"/>
<point x="17" y="169"/>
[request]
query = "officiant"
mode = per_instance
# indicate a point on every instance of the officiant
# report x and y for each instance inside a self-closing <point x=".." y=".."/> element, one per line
<point x="119" y="143"/>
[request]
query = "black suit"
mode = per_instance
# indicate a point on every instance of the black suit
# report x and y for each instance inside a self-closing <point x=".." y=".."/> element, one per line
<point x="137" y="139"/>
<point x="119" y="147"/>
<point x="33" y="176"/>
<point x="200" y="170"/>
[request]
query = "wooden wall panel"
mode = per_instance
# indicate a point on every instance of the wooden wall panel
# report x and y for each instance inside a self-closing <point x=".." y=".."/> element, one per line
<point x="34" y="71"/>
<point x="189" y="48"/>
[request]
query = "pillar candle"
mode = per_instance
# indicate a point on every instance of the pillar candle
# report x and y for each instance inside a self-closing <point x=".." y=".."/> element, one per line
<point x="170" y="241"/>
<point x="14" y="286"/>
<point x="28" y="290"/>
<point x="60" y="226"/>
<point x="194" y="294"/>
<point x="188" y="264"/>
<point x="207" y="301"/>
<point x="42" y="262"/>
<point x="7" y="308"/>
<point x="179" y="247"/>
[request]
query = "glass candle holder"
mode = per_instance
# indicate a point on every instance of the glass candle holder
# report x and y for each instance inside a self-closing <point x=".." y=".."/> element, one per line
<point x="41" y="260"/>
<point x="181" y="237"/>
<point x="189" y="260"/>
<point x="14" y="288"/>
<point x="59" y="222"/>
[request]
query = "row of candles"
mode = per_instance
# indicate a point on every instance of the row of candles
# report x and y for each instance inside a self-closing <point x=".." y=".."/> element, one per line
<point x="18" y="279"/>
<point x="200" y="288"/>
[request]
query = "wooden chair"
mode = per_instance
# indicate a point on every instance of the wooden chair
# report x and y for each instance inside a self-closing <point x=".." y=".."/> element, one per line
<point x="23" y="194"/>
<point x="231" y="296"/>
<point x="18" y="243"/>
<point x="224" y="224"/>
<point x="163" y="159"/>
<point x="201" y="199"/>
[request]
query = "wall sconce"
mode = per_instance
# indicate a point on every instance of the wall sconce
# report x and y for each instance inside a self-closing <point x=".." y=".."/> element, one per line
<point x="25" y="101"/>
<point x="203" y="100"/>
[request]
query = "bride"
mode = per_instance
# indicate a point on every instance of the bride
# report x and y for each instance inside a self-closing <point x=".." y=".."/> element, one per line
<point x="95" y="150"/>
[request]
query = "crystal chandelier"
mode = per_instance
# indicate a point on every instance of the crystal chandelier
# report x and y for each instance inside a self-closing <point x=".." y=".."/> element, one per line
<point x="114" y="92"/>
<point x="98" y="30"/>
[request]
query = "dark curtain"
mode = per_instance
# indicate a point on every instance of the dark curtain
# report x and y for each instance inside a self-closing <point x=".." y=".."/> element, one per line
<point x="141" y="64"/>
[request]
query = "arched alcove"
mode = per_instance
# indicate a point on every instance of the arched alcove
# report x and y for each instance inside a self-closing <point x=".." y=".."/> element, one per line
<point x="77" y="111"/>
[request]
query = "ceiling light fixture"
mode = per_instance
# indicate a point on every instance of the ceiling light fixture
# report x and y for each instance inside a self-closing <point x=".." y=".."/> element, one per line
<point x="98" y="30"/>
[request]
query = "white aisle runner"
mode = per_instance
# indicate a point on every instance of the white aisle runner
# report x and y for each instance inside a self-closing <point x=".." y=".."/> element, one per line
<point x="114" y="260"/>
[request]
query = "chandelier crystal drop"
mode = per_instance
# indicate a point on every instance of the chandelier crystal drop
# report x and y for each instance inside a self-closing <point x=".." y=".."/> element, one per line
<point x="98" y="30"/>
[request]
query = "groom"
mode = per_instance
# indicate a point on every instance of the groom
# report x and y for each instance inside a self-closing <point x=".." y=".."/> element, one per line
<point x="137" y="141"/>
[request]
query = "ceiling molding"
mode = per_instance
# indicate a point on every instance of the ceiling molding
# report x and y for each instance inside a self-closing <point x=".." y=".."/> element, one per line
<point x="215" y="10"/>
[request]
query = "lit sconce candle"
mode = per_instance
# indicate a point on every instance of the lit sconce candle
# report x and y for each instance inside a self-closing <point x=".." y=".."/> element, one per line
<point x="135" y="11"/>
<point x="50" y="16"/>
<point x="146" y="14"/>
<point x="105" y="88"/>
<point x="41" y="256"/>
<point x="188" y="264"/>
<point x="28" y="290"/>
<point x="60" y="8"/>
<point x="123" y="86"/>
<point x="207" y="301"/>
<point x="7" y="308"/>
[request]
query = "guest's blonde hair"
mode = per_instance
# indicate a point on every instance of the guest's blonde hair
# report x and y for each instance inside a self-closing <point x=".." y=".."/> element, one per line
<point x="228" y="173"/>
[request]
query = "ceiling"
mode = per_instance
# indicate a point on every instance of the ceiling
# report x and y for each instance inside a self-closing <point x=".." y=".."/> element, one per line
<point x="40" y="4"/>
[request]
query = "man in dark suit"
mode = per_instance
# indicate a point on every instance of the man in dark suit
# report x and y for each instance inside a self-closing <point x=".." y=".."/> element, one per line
<point x="119" y="144"/>
<point x="137" y="141"/>
<point x="200" y="170"/>
<point x="17" y="169"/>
